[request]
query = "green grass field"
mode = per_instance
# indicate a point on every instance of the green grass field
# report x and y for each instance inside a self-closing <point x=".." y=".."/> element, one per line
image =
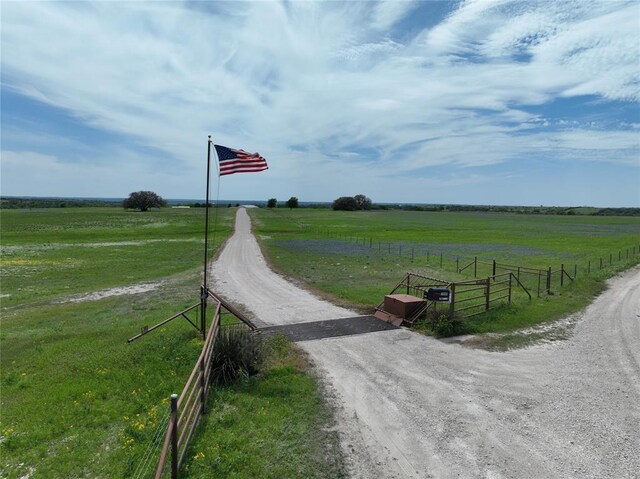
<point x="355" y="258"/>
<point x="77" y="400"/>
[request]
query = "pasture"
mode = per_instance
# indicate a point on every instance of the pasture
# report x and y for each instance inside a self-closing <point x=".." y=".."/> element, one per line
<point x="357" y="257"/>
<point x="77" y="400"/>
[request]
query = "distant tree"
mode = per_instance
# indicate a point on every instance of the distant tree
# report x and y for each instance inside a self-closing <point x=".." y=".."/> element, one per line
<point x="143" y="200"/>
<point x="292" y="202"/>
<point x="272" y="203"/>
<point x="345" y="203"/>
<point x="363" y="202"/>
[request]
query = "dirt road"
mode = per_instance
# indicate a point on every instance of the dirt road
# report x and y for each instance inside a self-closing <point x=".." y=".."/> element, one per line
<point x="411" y="406"/>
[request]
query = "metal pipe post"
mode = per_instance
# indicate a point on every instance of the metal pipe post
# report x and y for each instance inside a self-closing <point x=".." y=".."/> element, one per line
<point x="174" y="436"/>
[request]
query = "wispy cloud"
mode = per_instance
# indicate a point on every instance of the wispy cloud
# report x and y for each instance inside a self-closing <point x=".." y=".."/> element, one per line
<point x="333" y="77"/>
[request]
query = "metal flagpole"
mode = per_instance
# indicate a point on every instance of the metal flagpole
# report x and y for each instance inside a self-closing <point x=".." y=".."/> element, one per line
<point x="204" y="288"/>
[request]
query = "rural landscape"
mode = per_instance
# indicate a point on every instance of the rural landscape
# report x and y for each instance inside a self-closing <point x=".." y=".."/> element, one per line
<point x="78" y="282"/>
<point x="320" y="240"/>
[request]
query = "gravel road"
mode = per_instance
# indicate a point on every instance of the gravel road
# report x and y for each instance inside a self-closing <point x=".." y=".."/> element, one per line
<point x="410" y="406"/>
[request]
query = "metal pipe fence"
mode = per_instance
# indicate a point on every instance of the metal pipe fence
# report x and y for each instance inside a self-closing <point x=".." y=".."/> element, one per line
<point x="188" y="407"/>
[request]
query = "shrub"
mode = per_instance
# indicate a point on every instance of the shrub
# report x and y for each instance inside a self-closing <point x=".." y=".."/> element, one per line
<point x="272" y="203"/>
<point x="236" y="353"/>
<point x="444" y="326"/>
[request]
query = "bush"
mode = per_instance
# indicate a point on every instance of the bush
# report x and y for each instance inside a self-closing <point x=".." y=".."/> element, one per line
<point x="444" y="326"/>
<point x="236" y="353"/>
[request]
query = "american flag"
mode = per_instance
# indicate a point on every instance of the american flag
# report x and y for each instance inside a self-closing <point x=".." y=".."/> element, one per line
<point x="238" y="161"/>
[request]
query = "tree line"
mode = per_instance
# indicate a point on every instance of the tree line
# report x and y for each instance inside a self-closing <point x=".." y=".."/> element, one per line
<point x="144" y="200"/>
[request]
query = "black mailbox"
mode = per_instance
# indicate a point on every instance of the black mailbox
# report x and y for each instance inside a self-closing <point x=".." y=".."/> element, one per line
<point x="441" y="295"/>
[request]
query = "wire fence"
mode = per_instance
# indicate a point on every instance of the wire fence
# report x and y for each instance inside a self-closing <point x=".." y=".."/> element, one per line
<point x="532" y="281"/>
<point x="149" y="456"/>
<point x="539" y="281"/>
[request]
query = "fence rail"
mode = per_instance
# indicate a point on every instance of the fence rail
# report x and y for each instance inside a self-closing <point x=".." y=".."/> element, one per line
<point x="187" y="408"/>
<point x="468" y="298"/>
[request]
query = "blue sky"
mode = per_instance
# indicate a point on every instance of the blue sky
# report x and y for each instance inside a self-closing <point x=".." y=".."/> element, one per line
<point x="472" y="102"/>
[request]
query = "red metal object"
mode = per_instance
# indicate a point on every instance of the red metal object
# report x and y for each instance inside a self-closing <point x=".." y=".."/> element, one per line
<point x="402" y="305"/>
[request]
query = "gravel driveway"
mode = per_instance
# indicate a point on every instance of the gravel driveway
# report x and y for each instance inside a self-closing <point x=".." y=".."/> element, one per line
<point x="410" y="406"/>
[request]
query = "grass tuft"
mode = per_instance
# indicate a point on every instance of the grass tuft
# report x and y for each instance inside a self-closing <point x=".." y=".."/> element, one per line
<point x="237" y="353"/>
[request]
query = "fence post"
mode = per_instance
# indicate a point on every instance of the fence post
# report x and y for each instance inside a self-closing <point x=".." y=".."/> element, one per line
<point x="510" y="278"/>
<point x="619" y="255"/>
<point x="457" y="264"/>
<point x="453" y="300"/>
<point x="575" y="271"/>
<point x="440" y="260"/>
<point x="494" y="269"/>
<point x="549" y="280"/>
<point x="488" y="293"/>
<point x="174" y="436"/>
<point x="475" y="266"/>
<point x="518" y="273"/>
<point x="561" y="275"/>
<point x="203" y="312"/>
<point x="427" y="256"/>
<point x="539" y="283"/>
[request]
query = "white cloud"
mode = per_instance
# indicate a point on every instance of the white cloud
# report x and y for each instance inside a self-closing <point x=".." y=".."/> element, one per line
<point x="273" y="76"/>
<point x="388" y="12"/>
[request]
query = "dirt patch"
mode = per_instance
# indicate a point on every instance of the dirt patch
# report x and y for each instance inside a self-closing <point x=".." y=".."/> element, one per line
<point x="106" y="293"/>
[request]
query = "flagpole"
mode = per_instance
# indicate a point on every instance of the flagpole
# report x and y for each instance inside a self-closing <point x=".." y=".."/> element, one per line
<point x="204" y="290"/>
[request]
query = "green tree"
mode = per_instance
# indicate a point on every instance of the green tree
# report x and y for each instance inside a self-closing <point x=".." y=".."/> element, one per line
<point x="345" y="203"/>
<point x="272" y="203"/>
<point x="143" y="200"/>
<point x="363" y="202"/>
<point x="292" y="202"/>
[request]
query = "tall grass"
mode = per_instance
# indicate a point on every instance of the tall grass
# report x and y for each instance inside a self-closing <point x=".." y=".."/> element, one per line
<point x="237" y="353"/>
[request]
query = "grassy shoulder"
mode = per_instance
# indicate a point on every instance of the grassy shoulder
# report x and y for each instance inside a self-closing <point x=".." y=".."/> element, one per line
<point x="271" y="425"/>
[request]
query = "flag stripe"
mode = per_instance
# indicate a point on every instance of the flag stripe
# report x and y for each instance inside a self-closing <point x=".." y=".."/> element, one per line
<point x="239" y="161"/>
<point x="243" y="168"/>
